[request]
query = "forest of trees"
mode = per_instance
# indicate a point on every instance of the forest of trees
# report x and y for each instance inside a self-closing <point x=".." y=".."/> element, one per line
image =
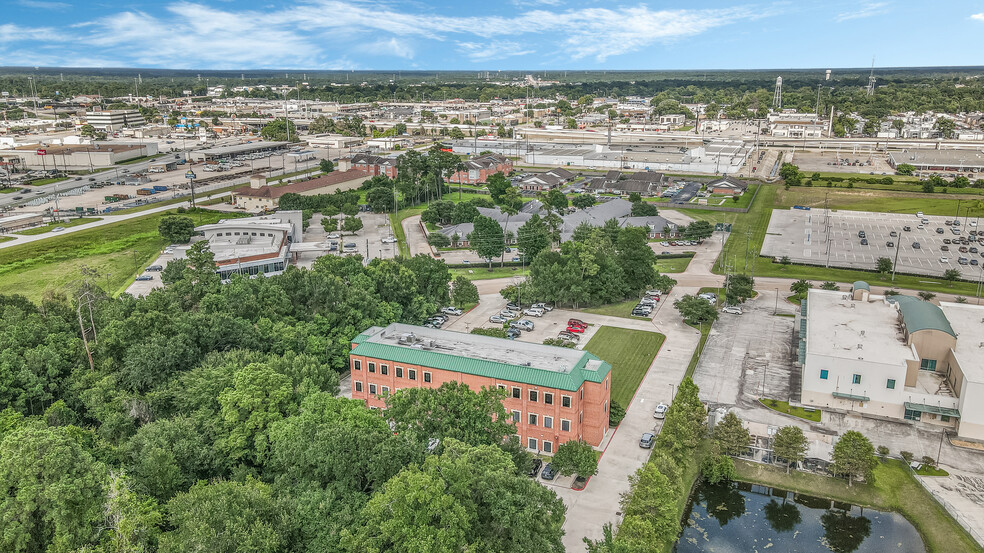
<point x="207" y="421"/>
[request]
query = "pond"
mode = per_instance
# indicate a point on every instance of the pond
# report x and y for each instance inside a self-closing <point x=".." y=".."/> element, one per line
<point x="748" y="518"/>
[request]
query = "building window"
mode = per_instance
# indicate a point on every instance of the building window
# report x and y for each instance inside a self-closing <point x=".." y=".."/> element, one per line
<point x="582" y="393"/>
<point x="891" y="384"/>
<point x="565" y="401"/>
<point x="501" y="387"/>
<point x="911" y="415"/>
<point x="385" y="389"/>
<point x="927" y="364"/>
<point x="533" y="395"/>
<point x="531" y="443"/>
<point x="357" y="364"/>
<point x="399" y="372"/>
<point x="372" y="367"/>
<point x="427" y="376"/>
<point x="515" y="416"/>
<point x="532" y="419"/>
<point x="856" y="379"/>
<point x="547" y="447"/>
<point x="944" y="418"/>
<point x="606" y="383"/>
<point x="548" y="422"/>
<point x="606" y="406"/>
<point x="515" y="392"/>
<point x="372" y="389"/>
<point x="412" y="373"/>
<point x="565" y="425"/>
<point x="384" y="369"/>
<point x="548" y="398"/>
<point x="824" y="373"/>
<point x="580" y="417"/>
<point x="358" y="386"/>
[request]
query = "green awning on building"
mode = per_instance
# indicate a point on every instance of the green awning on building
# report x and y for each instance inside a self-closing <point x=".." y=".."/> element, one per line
<point x="851" y="397"/>
<point x="933" y="409"/>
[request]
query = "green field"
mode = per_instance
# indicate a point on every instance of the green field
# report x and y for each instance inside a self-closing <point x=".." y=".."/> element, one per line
<point x="482" y="272"/>
<point x="112" y="254"/>
<point x="8" y="190"/>
<point x="6" y="238"/>
<point x="50" y="226"/>
<point x="620" y="309"/>
<point x="784" y="407"/>
<point x="882" y="200"/>
<point x="894" y="489"/>
<point x="630" y="352"/>
<point x="673" y="265"/>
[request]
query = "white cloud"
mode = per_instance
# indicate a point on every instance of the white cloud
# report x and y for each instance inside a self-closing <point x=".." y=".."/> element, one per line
<point x="43" y="5"/>
<point x="978" y="16"/>
<point x="391" y="47"/>
<point x="490" y="51"/>
<point x="317" y="33"/>
<point x="866" y="9"/>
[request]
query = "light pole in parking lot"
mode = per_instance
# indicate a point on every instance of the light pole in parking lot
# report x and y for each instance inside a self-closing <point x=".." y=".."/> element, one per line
<point x="190" y="175"/>
<point x="898" y="245"/>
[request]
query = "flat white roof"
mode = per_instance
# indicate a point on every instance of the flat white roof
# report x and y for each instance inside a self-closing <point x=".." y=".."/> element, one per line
<point x="968" y="322"/>
<point x="838" y="326"/>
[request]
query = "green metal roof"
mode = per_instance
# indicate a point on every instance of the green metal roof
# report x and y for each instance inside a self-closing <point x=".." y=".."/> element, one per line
<point x="569" y="381"/>
<point x="361" y="338"/>
<point x="851" y="397"/>
<point x="934" y="409"/>
<point x="861" y="285"/>
<point x="921" y="315"/>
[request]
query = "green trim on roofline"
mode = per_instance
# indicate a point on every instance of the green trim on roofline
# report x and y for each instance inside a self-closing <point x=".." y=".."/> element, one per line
<point x="570" y="381"/>
<point x="919" y="315"/>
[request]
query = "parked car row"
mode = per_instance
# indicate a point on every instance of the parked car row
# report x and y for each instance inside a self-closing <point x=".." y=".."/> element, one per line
<point x="647" y="304"/>
<point x="438" y="320"/>
<point x="680" y="243"/>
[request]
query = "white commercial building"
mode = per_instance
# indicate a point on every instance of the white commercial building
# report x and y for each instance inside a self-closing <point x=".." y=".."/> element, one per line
<point x="114" y="119"/>
<point x="253" y="245"/>
<point x="897" y="356"/>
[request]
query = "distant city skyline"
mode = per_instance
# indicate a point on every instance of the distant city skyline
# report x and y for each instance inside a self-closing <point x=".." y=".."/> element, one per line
<point x="510" y="35"/>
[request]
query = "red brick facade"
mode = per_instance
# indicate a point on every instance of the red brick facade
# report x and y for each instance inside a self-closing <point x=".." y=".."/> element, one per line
<point x="479" y="170"/>
<point x="544" y="417"/>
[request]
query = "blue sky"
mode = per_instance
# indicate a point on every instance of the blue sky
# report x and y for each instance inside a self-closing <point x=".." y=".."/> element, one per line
<point x="490" y="35"/>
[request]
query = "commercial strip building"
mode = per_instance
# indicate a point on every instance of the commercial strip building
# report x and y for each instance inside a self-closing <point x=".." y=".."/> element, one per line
<point x="114" y="119"/>
<point x="260" y="196"/>
<point x="253" y="245"/>
<point x="940" y="161"/>
<point x="226" y="152"/>
<point x="16" y="221"/>
<point x="76" y="157"/>
<point x="897" y="357"/>
<point x="554" y="394"/>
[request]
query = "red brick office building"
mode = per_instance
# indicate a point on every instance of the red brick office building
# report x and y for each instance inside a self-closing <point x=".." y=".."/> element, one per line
<point x="554" y="394"/>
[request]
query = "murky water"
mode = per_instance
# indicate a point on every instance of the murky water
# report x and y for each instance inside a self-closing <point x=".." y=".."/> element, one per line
<point x="748" y="518"/>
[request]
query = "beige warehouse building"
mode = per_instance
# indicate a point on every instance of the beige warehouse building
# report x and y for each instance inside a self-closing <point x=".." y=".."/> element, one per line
<point x="77" y="157"/>
<point x="260" y="196"/>
<point x="898" y="357"/>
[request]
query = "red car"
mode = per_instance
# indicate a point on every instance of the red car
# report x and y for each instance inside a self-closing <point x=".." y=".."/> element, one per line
<point x="577" y="322"/>
<point x="577" y="329"/>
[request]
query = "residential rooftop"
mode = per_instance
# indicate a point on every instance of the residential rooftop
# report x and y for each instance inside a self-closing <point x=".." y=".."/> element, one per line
<point x="499" y="358"/>
<point x="849" y="329"/>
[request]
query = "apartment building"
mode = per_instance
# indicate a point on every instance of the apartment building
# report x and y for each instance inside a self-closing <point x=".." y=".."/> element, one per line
<point x="553" y="394"/>
<point x="896" y="356"/>
<point x="479" y="169"/>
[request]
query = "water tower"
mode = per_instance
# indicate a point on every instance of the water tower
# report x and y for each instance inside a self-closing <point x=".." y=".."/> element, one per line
<point x="827" y="75"/>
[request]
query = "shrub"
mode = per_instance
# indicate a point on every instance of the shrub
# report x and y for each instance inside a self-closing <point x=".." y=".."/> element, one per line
<point x="906" y="456"/>
<point x="882" y="450"/>
<point x="615" y="412"/>
<point x="927" y="460"/>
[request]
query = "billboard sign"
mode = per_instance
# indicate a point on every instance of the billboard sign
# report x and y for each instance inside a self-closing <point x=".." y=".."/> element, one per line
<point x="42" y="152"/>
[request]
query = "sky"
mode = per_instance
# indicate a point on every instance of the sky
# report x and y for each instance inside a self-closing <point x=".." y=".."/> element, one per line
<point x="491" y="35"/>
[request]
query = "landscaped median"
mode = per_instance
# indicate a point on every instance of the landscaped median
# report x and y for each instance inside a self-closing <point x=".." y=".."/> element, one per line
<point x="784" y="407"/>
<point x="893" y="489"/>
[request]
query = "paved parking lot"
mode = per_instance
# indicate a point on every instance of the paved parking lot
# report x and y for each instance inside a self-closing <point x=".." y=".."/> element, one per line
<point x="368" y="241"/>
<point x="814" y="237"/>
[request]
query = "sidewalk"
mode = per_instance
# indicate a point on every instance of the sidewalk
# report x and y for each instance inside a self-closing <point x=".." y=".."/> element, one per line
<point x="590" y="509"/>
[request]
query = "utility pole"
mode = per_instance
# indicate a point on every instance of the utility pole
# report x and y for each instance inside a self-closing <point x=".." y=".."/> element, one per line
<point x="895" y="264"/>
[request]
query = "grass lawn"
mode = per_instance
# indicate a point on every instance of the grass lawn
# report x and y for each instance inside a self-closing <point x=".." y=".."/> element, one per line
<point x="704" y="331"/>
<point x="6" y="238"/>
<point x="41" y="182"/>
<point x="894" y="489"/>
<point x="630" y="352"/>
<point x="9" y="190"/>
<point x="50" y="226"/>
<point x="114" y="253"/>
<point x="482" y="272"/>
<point x="141" y="158"/>
<point x="880" y="200"/>
<point x="620" y="309"/>
<point x="784" y="407"/>
<point x="929" y="470"/>
<point x="673" y="265"/>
